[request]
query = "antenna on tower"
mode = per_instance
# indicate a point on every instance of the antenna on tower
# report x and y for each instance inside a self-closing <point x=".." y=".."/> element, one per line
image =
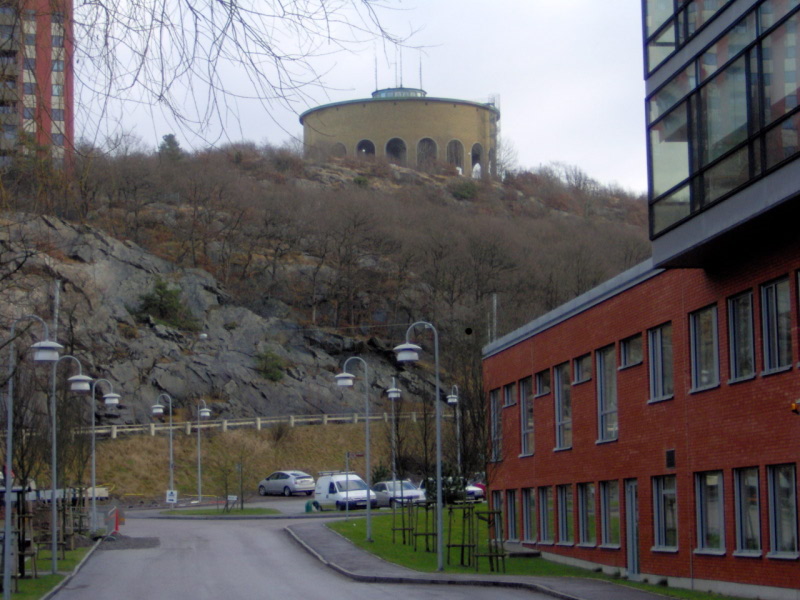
<point x="420" y="71"/>
<point x="375" y="60"/>
<point x="401" y="66"/>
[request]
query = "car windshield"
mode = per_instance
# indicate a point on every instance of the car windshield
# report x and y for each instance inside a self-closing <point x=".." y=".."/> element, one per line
<point x="399" y="486"/>
<point x="351" y="485"/>
<point x="299" y="474"/>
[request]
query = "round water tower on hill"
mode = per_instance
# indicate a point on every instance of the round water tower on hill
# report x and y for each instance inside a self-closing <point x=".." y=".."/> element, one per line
<point x="408" y="128"/>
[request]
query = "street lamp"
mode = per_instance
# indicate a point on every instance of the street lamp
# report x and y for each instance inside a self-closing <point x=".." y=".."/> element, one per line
<point x="80" y="384"/>
<point x="452" y="400"/>
<point x="158" y="410"/>
<point x="393" y="394"/>
<point x="345" y="379"/>
<point x="202" y="413"/>
<point x="45" y="351"/>
<point x="409" y="352"/>
<point x="109" y="399"/>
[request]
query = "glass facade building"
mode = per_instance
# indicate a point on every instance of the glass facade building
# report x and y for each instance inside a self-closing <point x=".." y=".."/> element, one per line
<point x="722" y="112"/>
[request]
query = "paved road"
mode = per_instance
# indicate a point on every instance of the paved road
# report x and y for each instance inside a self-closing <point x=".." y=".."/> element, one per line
<point x="233" y="560"/>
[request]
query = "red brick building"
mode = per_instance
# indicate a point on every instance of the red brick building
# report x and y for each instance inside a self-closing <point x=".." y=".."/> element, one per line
<point x="647" y="426"/>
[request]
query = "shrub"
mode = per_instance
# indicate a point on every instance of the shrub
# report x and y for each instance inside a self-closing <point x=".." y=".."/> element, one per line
<point x="270" y="365"/>
<point x="464" y="189"/>
<point x="164" y="305"/>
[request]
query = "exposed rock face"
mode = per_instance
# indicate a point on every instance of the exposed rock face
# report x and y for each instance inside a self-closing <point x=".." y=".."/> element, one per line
<point x="103" y="277"/>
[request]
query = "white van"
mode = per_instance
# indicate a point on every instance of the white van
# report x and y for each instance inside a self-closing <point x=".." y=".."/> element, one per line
<point x="343" y="490"/>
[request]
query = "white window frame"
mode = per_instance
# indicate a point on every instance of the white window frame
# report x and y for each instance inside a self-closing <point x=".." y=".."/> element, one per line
<point x="582" y="368"/>
<point x="625" y="355"/>
<point x="607" y="405"/>
<point x="543" y="387"/>
<point x="736" y="345"/>
<point x="512" y="525"/>
<point x="661" y="362"/>
<point x="776" y="325"/>
<point x="610" y="514"/>
<point x="563" y="407"/>
<point x="526" y="417"/>
<point x="704" y="376"/>
<point x="748" y="512"/>
<point x="710" y="505"/>
<point x="510" y="394"/>
<point x="529" y="515"/>
<point x="496" y="424"/>
<point x="665" y="512"/>
<point x="587" y="522"/>
<point x="546" y="520"/>
<point x="566" y="518"/>
<point x="782" y="514"/>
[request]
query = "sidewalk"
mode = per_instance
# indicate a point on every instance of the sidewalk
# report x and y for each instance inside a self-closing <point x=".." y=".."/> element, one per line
<point x="338" y="553"/>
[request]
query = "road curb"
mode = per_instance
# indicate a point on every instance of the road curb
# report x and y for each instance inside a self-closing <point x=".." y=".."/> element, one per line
<point x="69" y="576"/>
<point x="424" y="578"/>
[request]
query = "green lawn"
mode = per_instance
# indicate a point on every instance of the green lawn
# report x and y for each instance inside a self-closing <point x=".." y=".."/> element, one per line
<point x="33" y="589"/>
<point x="382" y="545"/>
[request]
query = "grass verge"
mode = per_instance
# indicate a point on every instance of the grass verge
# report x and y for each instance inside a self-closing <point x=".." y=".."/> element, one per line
<point x="33" y="589"/>
<point x="406" y="556"/>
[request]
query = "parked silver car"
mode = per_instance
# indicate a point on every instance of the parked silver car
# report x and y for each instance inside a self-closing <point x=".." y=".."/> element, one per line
<point x="287" y="483"/>
<point x="390" y="493"/>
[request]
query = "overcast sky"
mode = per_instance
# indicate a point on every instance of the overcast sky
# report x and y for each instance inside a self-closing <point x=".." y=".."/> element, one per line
<point x="568" y="75"/>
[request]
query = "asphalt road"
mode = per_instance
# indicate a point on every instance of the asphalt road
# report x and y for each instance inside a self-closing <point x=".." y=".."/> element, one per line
<point x="233" y="560"/>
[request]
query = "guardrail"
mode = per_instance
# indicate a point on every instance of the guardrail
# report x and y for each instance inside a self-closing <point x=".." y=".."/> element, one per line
<point x="114" y="431"/>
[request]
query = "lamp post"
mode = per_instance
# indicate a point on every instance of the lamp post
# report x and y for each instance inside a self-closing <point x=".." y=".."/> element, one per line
<point x="452" y="400"/>
<point x="345" y="379"/>
<point x="202" y="413"/>
<point x="409" y="352"/>
<point x="109" y="399"/>
<point x="158" y="410"/>
<point x="80" y="384"/>
<point x="394" y="393"/>
<point x="45" y="351"/>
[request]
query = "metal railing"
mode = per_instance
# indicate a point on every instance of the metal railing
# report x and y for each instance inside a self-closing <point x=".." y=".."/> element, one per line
<point x="114" y="431"/>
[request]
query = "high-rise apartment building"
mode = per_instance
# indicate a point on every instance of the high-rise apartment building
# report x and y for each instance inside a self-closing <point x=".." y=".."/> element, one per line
<point x="36" y="78"/>
<point x="649" y="427"/>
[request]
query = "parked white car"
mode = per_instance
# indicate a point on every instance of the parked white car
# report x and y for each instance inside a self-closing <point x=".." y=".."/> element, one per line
<point x="391" y="493"/>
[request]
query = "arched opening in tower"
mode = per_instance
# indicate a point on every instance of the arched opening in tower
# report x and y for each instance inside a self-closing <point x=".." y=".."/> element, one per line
<point x="477" y="158"/>
<point x="365" y="148"/>
<point x="396" y="151"/>
<point x="426" y="153"/>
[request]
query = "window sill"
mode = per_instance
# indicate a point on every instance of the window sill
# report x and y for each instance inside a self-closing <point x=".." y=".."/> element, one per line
<point x="509" y="405"/>
<point x="562" y="449"/>
<point x="784" y="555"/>
<point x="708" y="552"/>
<point x="768" y="372"/>
<point x="565" y="544"/>
<point x="660" y="399"/>
<point x="546" y="543"/>
<point x="628" y="366"/>
<point x="526" y="455"/>
<point x="609" y="441"/>
<point x="587" y="545"/>
<point x="609" y="546"/>
<point x="665" y="549"/>
<point x="747" y="553"/>
<point x="741" y="379"/>
<point x="580" y="381"/>
<point x="541" y="395"/>
<point x="705" y="388"/>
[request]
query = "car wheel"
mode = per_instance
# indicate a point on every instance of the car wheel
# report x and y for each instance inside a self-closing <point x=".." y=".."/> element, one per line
<point x="262" y="490"/>
<point x="392" y="503"/>
<point x="340" y="506"/>
<point x="309" y="493"/>
<point x="287" y="491"/>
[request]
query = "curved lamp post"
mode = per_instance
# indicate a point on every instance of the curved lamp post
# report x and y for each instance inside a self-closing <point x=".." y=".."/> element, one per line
<point x="158" y="410"/>
<point x="452" y="400"/>
<point x="79" y="384"/>
<point x="409" y="352"/>
<point x="110" y="399"/>
<point x="202" y="413"/>
<point x="345" y="379"/>
<point x="45" y="351"/>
